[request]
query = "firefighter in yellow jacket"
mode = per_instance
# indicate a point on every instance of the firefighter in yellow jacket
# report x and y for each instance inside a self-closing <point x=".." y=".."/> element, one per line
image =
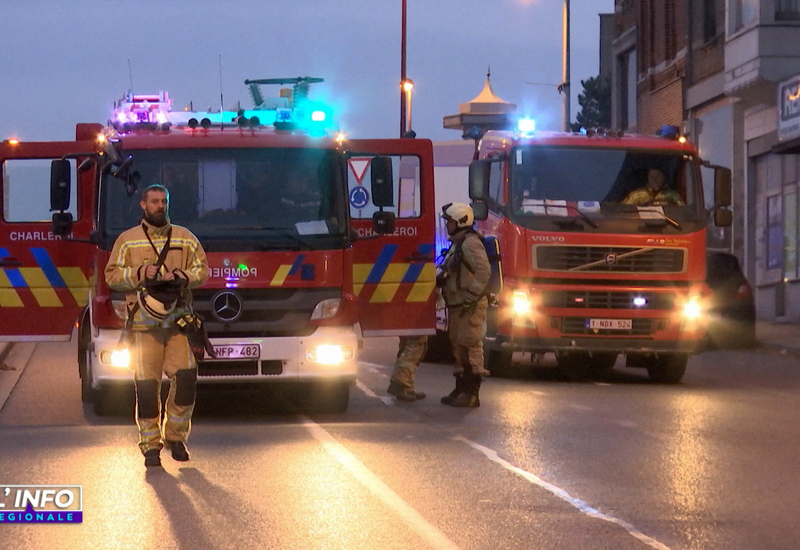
<point x="464" y="279"/>
<point x="157" y="296"/>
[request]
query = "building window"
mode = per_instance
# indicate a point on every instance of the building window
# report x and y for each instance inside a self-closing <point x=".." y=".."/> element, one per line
<point x="787" y="10"/>
<point x="709" y="20"/>
<point x="742" y="13"/>
<point x="670" y="38"/>
<point x="628" y="79"/>
<point x="774" y="232"/>
<point x="790" y="232"/>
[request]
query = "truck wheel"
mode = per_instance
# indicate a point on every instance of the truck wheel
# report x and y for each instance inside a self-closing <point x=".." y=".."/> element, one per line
<point x="668" y="369"/>
<point x="498" y="362"/>
<point x="439" y="349"/>
<point x="85" y="363"/>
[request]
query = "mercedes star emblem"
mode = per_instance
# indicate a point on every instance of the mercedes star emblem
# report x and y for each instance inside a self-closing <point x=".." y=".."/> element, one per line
<point x="226" y="306"/>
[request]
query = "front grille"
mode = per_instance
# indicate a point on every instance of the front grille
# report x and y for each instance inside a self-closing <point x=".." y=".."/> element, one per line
<point x="609" y="259"/>
<point x="596" y="299"/>
<point x="265" y="311"/>
<point x="578" y="326"/>
<point x="227" y="368"/>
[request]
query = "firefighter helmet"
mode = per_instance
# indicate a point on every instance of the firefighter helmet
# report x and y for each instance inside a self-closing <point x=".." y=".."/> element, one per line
<point x="159" y="298"/>
<point x="460" y="213"/>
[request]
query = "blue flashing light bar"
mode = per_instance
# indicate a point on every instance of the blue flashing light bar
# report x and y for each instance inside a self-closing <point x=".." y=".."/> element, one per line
<point x="526" y="125"/>
<point x="155" y="112"/>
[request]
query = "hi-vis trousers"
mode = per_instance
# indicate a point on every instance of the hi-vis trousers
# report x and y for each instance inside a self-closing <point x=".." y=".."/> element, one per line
<point x="157" y="351"/>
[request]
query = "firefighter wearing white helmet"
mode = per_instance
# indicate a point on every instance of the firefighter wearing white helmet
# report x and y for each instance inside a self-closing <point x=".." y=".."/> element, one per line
<point x="464" y="280"/>
<point x="158" y="294"/>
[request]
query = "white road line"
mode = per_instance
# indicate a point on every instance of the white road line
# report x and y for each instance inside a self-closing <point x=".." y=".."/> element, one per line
<point x="374" y="367"/>
<point x="434" y="537"/>
<point x="386" y="399"/>
<point x="582" y="506"/>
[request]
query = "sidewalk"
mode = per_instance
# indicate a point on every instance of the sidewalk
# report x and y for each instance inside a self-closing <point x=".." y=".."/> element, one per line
<point x="780" y="336"/>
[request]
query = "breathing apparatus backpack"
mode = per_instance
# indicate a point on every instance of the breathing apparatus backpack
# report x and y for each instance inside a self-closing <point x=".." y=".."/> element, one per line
<point x="492" y="247"/>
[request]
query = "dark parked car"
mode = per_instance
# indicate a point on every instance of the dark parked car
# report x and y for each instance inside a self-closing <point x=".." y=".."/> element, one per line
<point x="732" y="310"/>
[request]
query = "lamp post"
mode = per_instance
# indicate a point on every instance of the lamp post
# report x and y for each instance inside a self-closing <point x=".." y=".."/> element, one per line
<point x="403" y="70"/>
<point x="565" y="67"/>
<point x="408" y="85"/>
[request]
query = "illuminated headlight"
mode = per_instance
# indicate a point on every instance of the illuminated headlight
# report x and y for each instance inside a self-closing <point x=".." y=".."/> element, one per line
<point x="326" y="308"/>
<point x="330" y="354"/>
<point x="116" y="358"/>
<point x="638" y="301"/>
<point x="120" y="308"/>
<point x="520" y="302"/>
<point x="692" y="309"/>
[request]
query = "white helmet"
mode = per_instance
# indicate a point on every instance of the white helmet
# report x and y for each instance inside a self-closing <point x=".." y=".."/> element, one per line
<point x="159" y="298"/>
<point x="459" y="212"/>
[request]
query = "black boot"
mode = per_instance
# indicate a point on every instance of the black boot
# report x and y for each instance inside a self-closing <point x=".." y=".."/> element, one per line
<point x="470" y="397"/>
<point x="450" y="397"/>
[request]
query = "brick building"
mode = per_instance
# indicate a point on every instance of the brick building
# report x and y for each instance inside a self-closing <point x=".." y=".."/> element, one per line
<point x="728" y="71"/>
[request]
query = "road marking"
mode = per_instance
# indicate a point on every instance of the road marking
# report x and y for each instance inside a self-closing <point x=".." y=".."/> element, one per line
<point x="627" y="423"/>
<point x="580" y="505"/>
<point x="373" y="483"/>
<point x="386" y="399"/>
<point x="374" y="368"/>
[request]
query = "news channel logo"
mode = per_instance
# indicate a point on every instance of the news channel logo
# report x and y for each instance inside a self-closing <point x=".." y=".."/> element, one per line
<point x="41" y="504"/>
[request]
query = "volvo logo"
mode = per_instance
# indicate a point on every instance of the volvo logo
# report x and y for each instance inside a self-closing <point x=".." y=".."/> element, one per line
<point x="226" y="262"/>
<point x="611" y="259"/>
<point x="226" y="306"/>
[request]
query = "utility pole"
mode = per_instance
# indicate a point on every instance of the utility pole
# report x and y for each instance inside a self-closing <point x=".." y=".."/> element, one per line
<point x="403" y="71"/>
<point x="565" y="87"/>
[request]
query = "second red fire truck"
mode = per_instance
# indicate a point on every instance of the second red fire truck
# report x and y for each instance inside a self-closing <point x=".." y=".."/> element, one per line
<point x="595" y="266"/>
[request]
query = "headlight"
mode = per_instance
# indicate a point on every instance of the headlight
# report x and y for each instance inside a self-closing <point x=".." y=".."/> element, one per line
<point x="692" y="309"/>
<point x="326" y="308"/>
<point x="330" y="354"/>
<point x="116" y="358"/>
<point x="520" y="302"/>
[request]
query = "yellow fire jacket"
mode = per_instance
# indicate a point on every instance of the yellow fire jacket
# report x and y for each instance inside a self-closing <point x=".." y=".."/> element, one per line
<point x="133" y="252"/>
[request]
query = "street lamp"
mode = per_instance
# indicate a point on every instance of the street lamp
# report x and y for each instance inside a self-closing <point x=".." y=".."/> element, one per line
<point x="564" y="88"/>
<point x="403" y="69"/>
<point x="407" y="86"/>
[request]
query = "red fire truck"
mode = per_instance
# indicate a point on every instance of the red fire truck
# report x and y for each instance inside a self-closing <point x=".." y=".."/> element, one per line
<point x="308" y="236"/>
<point x="596" y="264"/>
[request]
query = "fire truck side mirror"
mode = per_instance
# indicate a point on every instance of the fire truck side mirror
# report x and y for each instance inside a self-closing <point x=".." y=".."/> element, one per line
<point x="382" y="182"/>
<point x="383" y="223"/>
<point x="62" y="223"/>
<point x="480" y="210"/>
<point x="723" y="218"/>
<point x="479" y="179"/>
<point x="722" y="186"/>
<point x="60" y="185"/>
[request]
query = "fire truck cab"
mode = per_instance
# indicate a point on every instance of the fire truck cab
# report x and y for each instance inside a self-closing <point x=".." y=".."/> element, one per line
<point x="596" y="261"/>
<point x="310" y="237"/>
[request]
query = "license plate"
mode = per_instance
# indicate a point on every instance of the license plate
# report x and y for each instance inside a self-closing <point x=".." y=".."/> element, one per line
<point x="610" y="324"/>
<point x="238" y="351"/>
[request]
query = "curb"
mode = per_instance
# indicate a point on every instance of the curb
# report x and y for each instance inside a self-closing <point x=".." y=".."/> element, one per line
<point x="5" y="349"/>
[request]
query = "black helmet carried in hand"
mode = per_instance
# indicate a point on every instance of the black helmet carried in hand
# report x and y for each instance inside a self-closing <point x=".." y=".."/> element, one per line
<point x="159" y="298"/>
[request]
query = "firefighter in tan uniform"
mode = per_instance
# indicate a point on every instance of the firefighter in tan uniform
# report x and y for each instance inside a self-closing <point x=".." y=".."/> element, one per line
<point x="464" y="279"/>
<point x="157" y="346"/>
<point x="411" y="351"/>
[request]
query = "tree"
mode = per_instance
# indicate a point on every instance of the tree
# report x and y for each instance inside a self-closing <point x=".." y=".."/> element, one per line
<point x="596" y="104"/>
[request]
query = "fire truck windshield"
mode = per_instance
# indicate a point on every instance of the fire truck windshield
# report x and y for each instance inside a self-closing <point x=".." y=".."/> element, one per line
<point x="239" y="198"/>
<point x="598" y="181"/>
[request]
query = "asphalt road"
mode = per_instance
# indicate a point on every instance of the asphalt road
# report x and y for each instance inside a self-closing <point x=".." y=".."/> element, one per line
<point x="544" y="463"/>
